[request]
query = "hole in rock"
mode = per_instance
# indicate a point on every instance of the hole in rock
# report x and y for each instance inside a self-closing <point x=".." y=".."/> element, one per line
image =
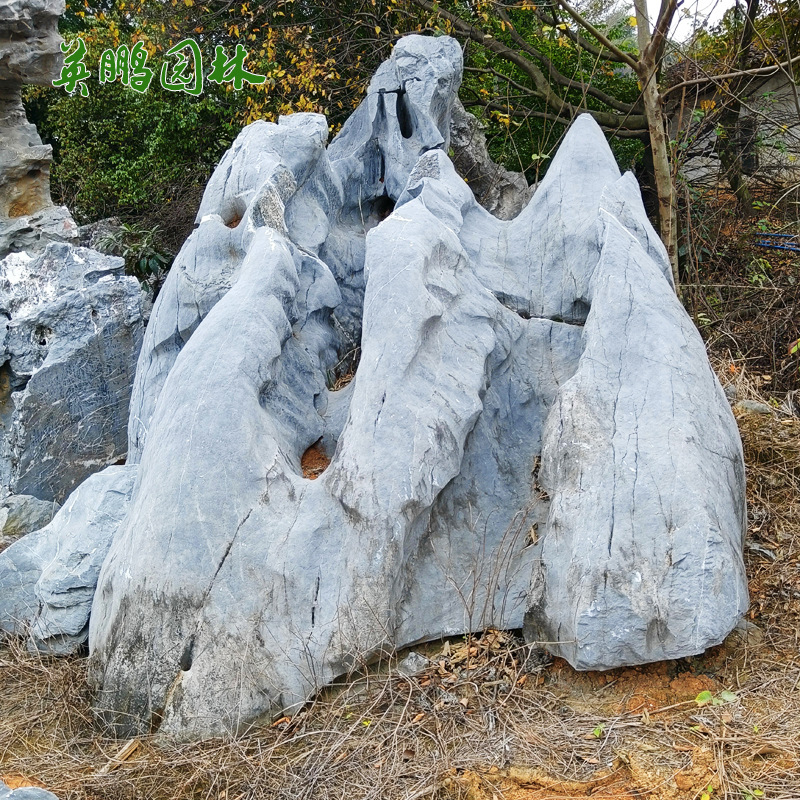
<point x="41" y="336"/>
<point x="382" y="207"/>
<point x="187" y="658"/>
<point x="580" y="310"/>
<point x="345" y="370"/>
<point x="404" y="115"/>
<point x="233" y="212"/>
<point x="314" y="462"/>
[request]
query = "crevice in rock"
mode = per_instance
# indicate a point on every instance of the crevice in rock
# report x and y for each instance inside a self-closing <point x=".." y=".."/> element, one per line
<point x="404" y="115"/>
<point x="314" y="461"/>
<point x="577" y="320"/>
<point x="314" y="603"/>
<point x="9" y="383"/>
<point x="345" y="370"/>
<point x="382" y="207"/>
<point x="187" y="657"/>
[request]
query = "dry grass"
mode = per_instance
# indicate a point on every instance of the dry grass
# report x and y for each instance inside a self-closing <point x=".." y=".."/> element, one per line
<point x="489" y="719"/>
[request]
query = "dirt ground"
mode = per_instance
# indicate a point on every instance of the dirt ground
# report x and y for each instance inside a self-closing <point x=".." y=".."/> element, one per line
<point x="489" y="719"/>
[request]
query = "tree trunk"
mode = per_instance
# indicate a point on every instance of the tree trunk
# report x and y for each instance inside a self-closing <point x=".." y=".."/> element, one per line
<point x="730" y="145"/>
<point x="659" y="146"/>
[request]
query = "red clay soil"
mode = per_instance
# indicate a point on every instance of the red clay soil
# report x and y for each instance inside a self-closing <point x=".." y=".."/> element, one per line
<point x="314" y="462"/>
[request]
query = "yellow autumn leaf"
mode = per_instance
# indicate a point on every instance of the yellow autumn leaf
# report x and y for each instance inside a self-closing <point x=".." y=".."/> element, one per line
<point x="632" y="22"/>
<point x="377" y="30"/>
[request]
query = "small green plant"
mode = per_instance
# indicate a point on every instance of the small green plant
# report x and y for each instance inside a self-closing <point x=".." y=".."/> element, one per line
<point x="599" y="731"/>
<point x="703" y="320"/>
<point x="138" y="245"/>
<point x="758" y="271"/>
<point x="705" y="698"/>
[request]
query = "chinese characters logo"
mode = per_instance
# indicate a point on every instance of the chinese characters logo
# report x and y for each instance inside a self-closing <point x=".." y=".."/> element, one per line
<point x="184" y="74"/>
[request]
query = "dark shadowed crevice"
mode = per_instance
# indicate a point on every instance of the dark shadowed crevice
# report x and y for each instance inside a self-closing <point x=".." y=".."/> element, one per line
<point x="187" y="657"/>
<point x="577" y="316"/>
<point x="382" y="207"/>
<point x="344" y="371"/>
<point x="404" y="115"/>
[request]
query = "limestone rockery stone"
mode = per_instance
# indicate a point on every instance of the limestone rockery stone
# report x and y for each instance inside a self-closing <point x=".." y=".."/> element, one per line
<point x="30" y="53"/>
<point x="72" y="321"/>
<point x="73" y="326"/>
<point x="532" y="437"/>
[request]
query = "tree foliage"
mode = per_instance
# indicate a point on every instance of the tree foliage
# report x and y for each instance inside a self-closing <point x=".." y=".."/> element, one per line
<point x="147" y="156"/>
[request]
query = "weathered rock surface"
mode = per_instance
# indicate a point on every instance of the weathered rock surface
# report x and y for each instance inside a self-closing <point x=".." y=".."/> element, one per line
<point x="25" y="793"/>
<point x="501" y="192"/>
<point x="30" y="53"/>
<point x="48" y="578"/>
<point x="74" y="322"/>
<point x="70" y="341"/>
<point x="533" y="434"/>
<point x="21" y="514"/>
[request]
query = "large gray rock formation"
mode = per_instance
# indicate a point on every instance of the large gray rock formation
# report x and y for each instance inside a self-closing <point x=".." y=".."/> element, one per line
<point x="30" y="53"/>
<point x="69" y="346"/>
<point x="533" y="436"/>
<point x="48" y="578"/>
<point x="73" y="320"/>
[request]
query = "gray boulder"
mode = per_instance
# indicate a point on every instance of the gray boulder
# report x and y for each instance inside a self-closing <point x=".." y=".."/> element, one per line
<point x="639" y="441"/>
<point x="48" y="578"/>
<point x="73" y="321"/>
<point x="21" y="514"/>
<point x="70" y="342"/>
<point x="533" y="436"/>
<point x="25" y="793"/>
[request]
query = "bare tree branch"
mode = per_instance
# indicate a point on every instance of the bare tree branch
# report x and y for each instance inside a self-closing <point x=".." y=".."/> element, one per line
<point x="767" y="71"/>
<point x="557" y="104"/>
<point x="558" y="77"/>
<point x="606" y="42"/>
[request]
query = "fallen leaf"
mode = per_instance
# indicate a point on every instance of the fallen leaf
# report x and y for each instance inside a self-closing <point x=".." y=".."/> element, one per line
<point x="704" y="698"/>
